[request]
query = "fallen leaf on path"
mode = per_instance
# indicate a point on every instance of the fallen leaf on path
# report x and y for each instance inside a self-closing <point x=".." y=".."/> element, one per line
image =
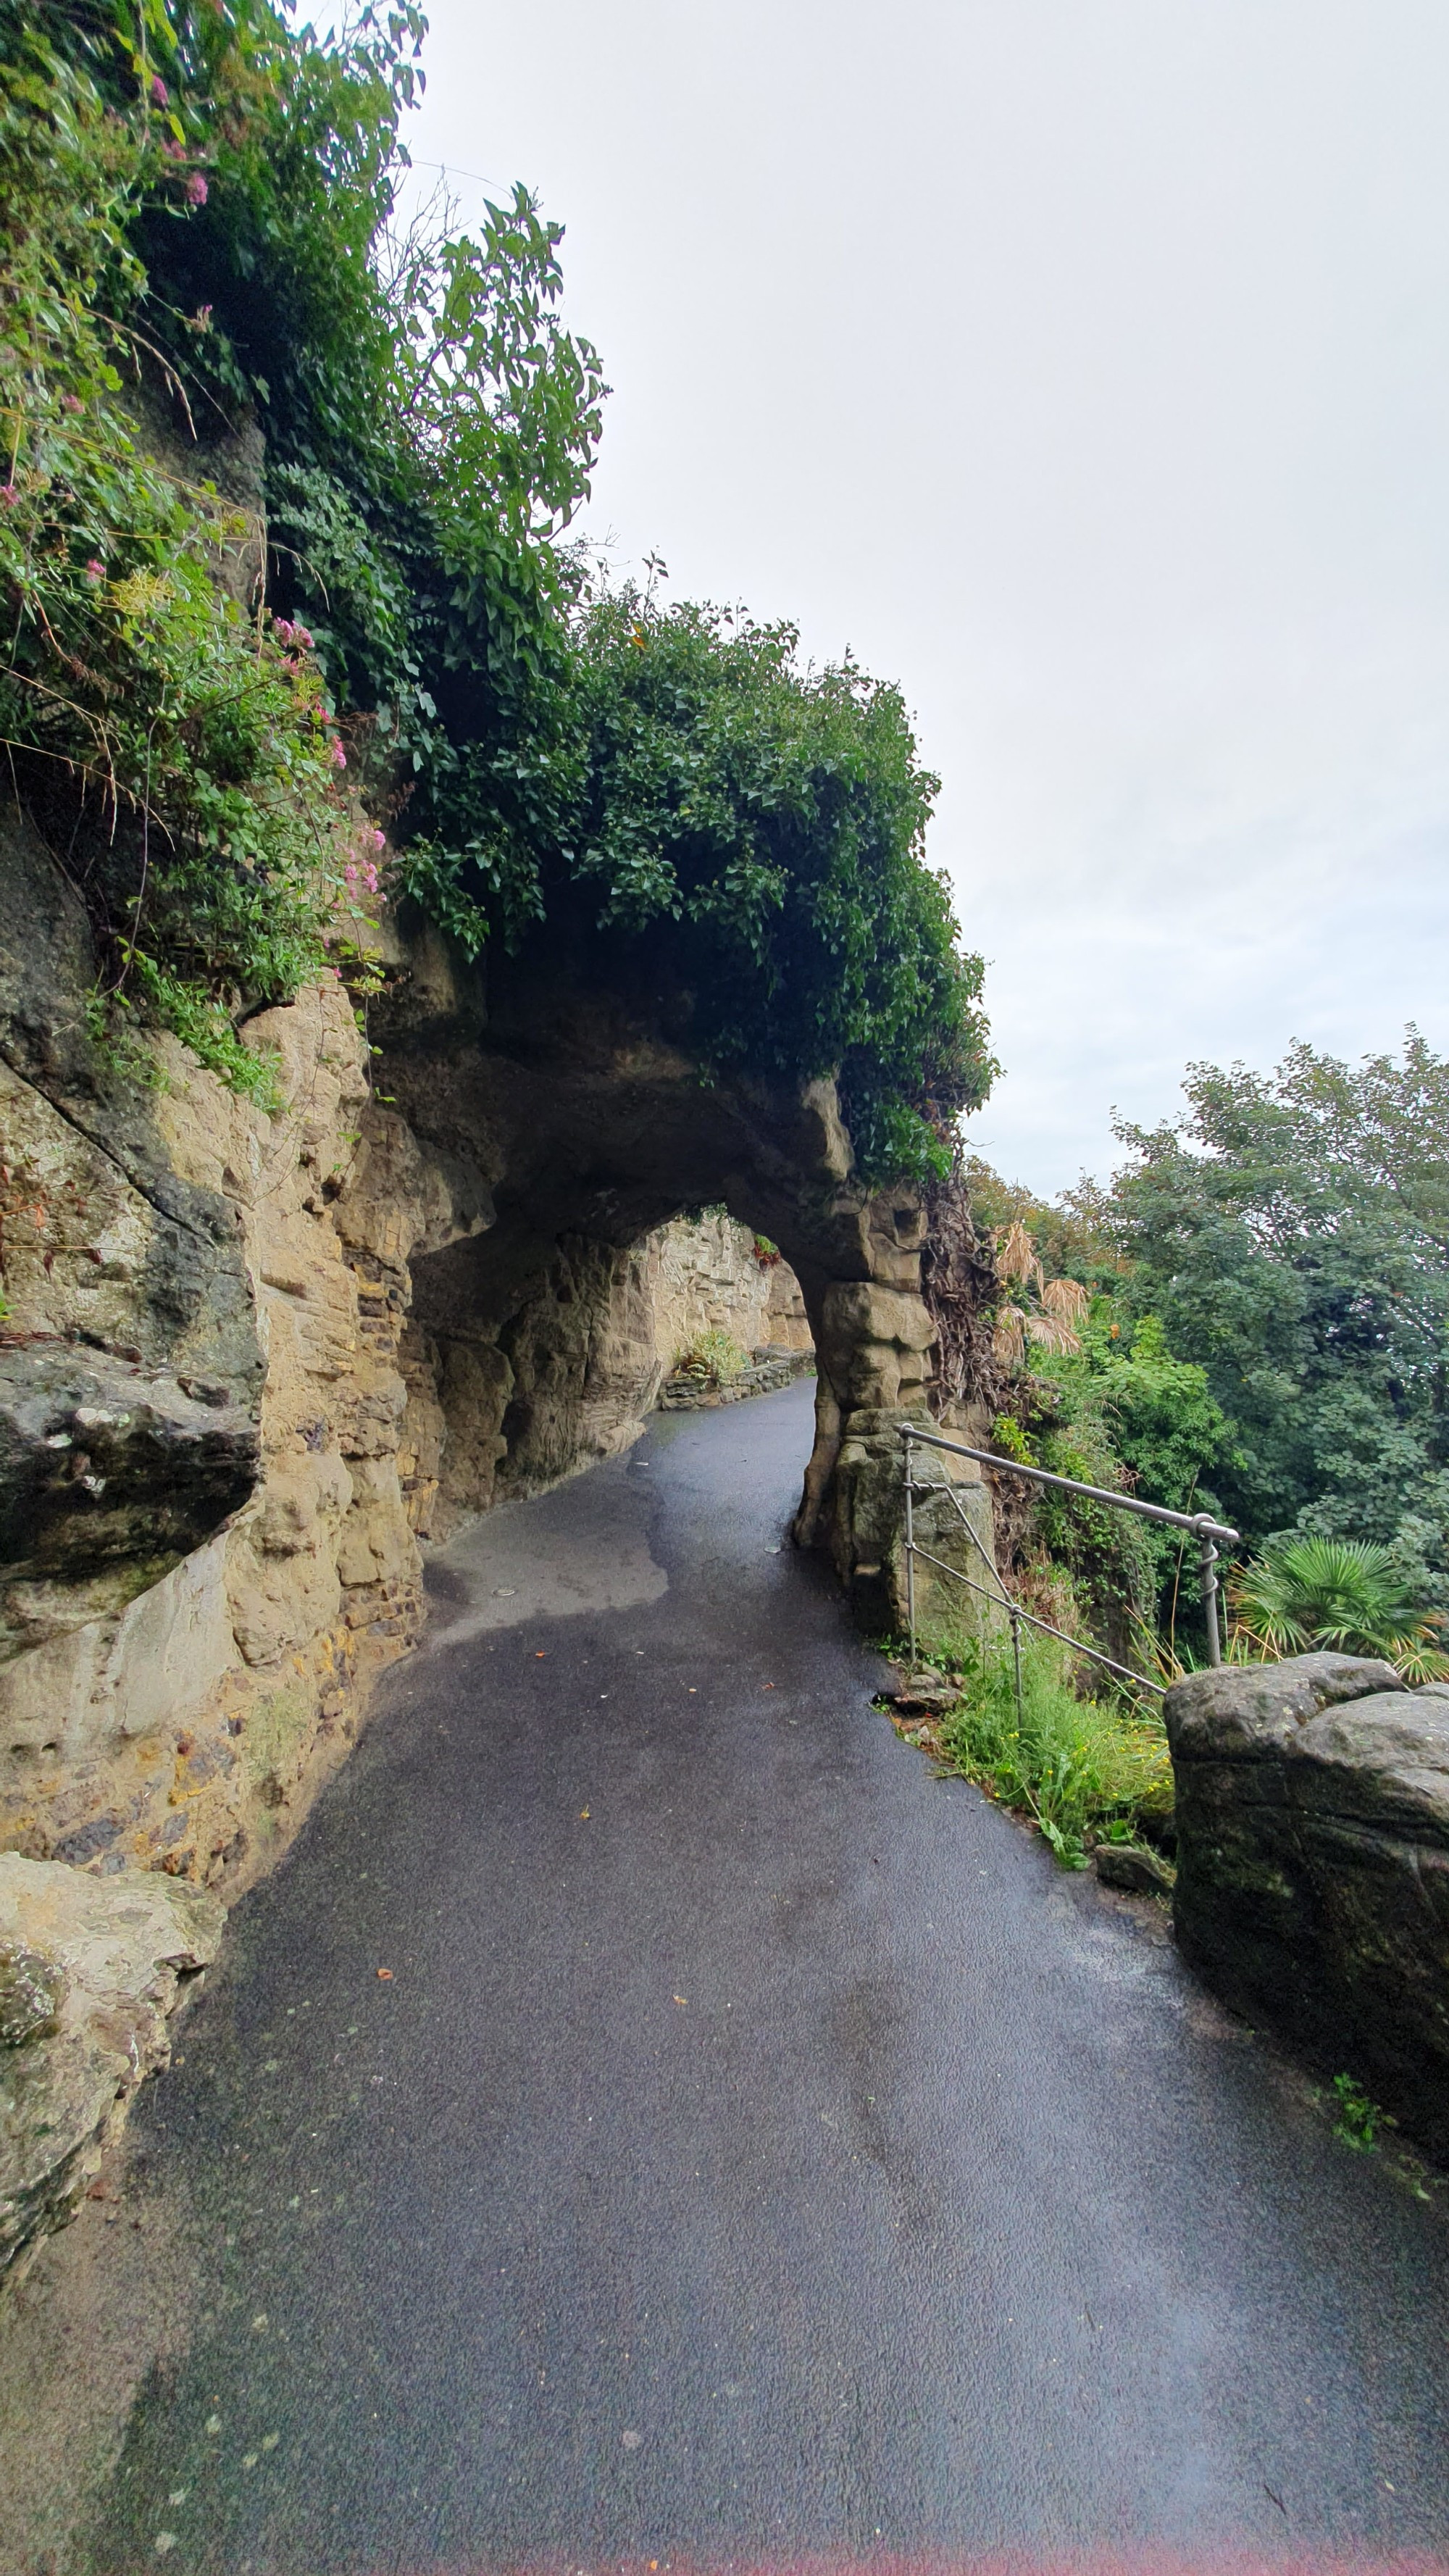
<point x="583" y="1815"/>
<point x="386" y="1975"/>
<point x="681" y="1999"/>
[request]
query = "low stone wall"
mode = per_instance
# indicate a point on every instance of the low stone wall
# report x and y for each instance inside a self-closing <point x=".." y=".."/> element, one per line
<point x="767" y="1373"/>
<point x="1313" y="1867"/>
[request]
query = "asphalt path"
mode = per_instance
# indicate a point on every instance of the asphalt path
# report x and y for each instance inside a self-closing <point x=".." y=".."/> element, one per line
<point x="756" y="2150"/>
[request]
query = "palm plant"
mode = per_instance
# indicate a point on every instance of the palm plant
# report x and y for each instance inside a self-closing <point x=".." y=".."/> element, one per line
<point x="1309" y="1593"/>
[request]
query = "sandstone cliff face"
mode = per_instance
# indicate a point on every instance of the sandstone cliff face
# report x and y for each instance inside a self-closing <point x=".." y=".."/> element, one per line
<point x="206" y="1547"/>
<point x="249" y="1360"/>
<point x="707" y="1274"/>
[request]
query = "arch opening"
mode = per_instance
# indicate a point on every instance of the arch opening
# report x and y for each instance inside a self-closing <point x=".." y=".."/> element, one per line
<point x="555" y="1137"/>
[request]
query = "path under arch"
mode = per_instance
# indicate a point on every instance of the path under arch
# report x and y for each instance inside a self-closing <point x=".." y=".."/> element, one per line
<point x="757" y="2147"/>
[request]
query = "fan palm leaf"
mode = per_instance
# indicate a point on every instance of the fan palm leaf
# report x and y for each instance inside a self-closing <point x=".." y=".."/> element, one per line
<point x="1344" y="1595"/>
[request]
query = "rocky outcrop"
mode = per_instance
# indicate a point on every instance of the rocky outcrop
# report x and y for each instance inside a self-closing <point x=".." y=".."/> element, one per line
<point x="593" y="1131"/>
<point x="251" y="1356"/>
<point x="709" y="1274"/>
<point x="200" y="1405"/>
<point x="90" y="1970"/>
<point x="1313" y="1866"/>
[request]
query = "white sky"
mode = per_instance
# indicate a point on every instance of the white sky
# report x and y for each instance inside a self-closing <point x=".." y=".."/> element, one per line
<point x="1083" y="364"/>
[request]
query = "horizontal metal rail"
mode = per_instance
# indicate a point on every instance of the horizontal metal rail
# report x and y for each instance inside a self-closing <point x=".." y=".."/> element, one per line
<point x="1004" y="1601"/>
<point x="1198" y="1521"/>
<point x="1201" y="1525"/>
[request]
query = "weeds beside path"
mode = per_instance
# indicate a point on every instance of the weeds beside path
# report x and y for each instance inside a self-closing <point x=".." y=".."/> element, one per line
<point x="1076" y="1767"/>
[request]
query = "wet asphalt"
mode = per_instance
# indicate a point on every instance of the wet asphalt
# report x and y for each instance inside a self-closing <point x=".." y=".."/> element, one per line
<point x="757" y="2148"/>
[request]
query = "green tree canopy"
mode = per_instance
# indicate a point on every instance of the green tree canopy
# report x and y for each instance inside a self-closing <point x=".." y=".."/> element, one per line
<point x="1292" y="1232"/>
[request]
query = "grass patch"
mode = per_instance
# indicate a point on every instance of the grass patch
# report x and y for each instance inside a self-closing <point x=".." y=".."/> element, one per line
<point x="1074" y="1765"/>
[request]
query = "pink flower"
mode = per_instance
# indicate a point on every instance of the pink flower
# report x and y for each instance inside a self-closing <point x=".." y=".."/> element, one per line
<point x="8" y="495"/>
<point x="379" y="840"/>
<point x="95" y="569"/>
<point x="159" y="90"/>
<point x="369" y="877"/>
<point x="70" y="402"/>
<point x="339" y="756"/>
<point x="196" y="191"/>
<point x="304" y="638"/>
<point x="171" y="150"/>
<point x="349" y="876"/>
<point x="282" y="626"/>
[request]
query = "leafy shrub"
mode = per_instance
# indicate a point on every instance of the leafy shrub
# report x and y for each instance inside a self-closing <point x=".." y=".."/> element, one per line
<point x="715" y="1357"/>
<point x="1359" y="2117"/>
<point x="741" y="835"/>
<point x="191" y="746"/>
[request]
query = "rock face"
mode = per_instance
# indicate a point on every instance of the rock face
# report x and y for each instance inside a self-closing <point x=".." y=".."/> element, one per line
<point x="1313" y="1866"/>
<point x="250" y="1359"/>
<point x="709" y="1274"/>
<point x="206" y="1547"/>
<point x="89" y="1971"/>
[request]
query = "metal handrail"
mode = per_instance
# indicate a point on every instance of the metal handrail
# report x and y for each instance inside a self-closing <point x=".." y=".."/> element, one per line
<point x="1014" y="1609"/>
<point x="1096" y="1493"/>
<point x="1201" y="1523"/>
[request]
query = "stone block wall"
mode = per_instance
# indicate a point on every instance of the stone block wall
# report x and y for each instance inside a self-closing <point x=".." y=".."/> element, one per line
<point x="1313" y="1866"/>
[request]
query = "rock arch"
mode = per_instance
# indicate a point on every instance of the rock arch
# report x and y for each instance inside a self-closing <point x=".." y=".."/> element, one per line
<point x="232" y="1329"/>
<point x="548" y="1129"/>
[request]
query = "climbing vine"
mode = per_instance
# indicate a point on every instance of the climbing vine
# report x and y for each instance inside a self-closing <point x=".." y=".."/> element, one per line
<point x="217" y="696"/>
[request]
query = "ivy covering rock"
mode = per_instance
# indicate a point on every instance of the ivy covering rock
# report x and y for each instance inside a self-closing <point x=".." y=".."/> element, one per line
<point x="233" y="698"/>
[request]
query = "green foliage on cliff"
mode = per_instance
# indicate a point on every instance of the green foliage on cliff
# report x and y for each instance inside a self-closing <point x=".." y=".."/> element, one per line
<point x="201" y="234"/>
<point x="680" y="787"/>
<point x="200" y="741"/>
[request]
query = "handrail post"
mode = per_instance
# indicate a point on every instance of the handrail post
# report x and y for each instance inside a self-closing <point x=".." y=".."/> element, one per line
<point x="909" y="1438"/>
<point x="1016" y="1660"/>
<point x="1207" y="1561"/>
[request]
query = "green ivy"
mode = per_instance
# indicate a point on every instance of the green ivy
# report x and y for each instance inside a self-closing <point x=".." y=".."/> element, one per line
<point x="199" y="208"/>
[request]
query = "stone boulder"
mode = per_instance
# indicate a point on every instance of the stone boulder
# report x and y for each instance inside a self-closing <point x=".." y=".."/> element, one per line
<point x="90" y="1969"/>
<point x="1313" y="1866"/>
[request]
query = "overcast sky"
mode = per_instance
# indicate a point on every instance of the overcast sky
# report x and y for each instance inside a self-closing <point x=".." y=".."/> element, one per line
<point x="1084" y="365"/>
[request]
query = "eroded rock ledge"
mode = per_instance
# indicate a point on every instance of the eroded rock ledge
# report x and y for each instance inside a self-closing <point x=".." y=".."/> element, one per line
<point x="90" y="1971"/>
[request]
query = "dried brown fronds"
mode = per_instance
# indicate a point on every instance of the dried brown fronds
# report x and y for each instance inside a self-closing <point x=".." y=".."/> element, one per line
<point x="1016" y="1255"/>
<point x="1067" y="1299"/>
<point x="960" y="1285"/>
<point x="1008" y="1342"/>
<point x="1050" y="1333"/>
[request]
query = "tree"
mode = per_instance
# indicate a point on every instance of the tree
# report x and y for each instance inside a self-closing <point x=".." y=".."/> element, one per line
<point x="1292" y="1232"/>
<point x="200" y="227"/>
